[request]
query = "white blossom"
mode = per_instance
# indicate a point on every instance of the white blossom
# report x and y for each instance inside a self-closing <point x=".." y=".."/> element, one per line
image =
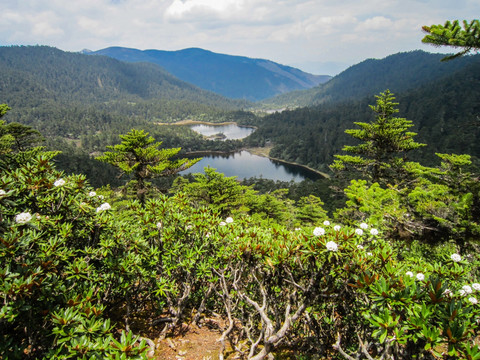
<point x="229" y="220"/>
<point x="337" y="227"/>
<point x="420" y="277"/>
<point x="363" y="226"/>
<point x="359" y="232"/>
<point x="92" y="194"/>
<point x="101" y="197"/>
<point x="369" y="254"/>
<point x="360" y="247"/>
<point x="222" y="223"/>
<point x="298" y="229"/>
<point x="374" y="231"/>
<point x="331" y="246"/>
<point x="456" y="257"/>
<point x="318" y="231"/>
<point x="447" y="292"/>
<point x="189" y="227"/>
<point x="476" y="286"/>
<point x="326" y="223"/>
<point x="2" y="192"/>
<point x="462" y="292"/>
<point x="409" y="273"/>
<point x="159" y="225"/>
<point x="23" y="218"/>
<point x="467" y="289"/>
<point x="473" y="300"/>
<point x="59" y="182"/>
<point x="103" y="207"/>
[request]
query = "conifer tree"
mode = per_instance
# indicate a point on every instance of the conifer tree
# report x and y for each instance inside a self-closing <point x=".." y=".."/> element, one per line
<point x="138" y="153"/>
<point x="384" y="144"/>
<point x="452" y="34"/>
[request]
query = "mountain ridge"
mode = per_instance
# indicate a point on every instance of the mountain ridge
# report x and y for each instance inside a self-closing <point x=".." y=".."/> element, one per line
<point x="236" y="77"/>
<point x="398" y="72"/>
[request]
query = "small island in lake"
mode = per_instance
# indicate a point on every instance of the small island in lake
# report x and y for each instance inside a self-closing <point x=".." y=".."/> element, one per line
<point x="218" y="136"/>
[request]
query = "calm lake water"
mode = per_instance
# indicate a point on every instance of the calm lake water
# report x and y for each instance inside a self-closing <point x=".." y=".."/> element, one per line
<point x="232" y="131"/>
<point x="245" y="165"/>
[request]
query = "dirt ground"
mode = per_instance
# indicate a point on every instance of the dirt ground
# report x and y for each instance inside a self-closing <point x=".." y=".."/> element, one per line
<point x="191" y="343"/>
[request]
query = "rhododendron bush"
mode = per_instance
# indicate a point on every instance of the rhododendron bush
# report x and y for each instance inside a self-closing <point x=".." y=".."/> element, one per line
<point x="75" y="269"/>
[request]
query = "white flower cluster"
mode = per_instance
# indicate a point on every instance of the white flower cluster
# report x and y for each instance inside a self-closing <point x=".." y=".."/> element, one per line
<point x="363" y="226"/>
<point x="159" y="225"/>
<point x="419" y="276"/>
<point x="92" y="194"/>
<point x="23" y="218"/>
<point x="318" y="231"/>
<point x="337" y="227"/>
<point x="359" y="232"/>
<point x="456" y="257"/>
<point x="2" y="192"/>
<point x="59" y="182"/>
<point x="229" y="220"/>
<point x="331" y="246"/>
<point x="326" y="223"/>
<point x="104" y="207"/>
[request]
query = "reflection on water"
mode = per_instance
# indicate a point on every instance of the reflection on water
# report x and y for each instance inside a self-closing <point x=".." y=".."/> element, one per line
<point x="231" y="132"/>
<point x="245" y="165"/>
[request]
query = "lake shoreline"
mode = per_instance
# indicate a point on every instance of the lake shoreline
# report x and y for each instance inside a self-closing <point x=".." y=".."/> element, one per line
<point x="257" y="151"/>
<point x="200" y="122"/>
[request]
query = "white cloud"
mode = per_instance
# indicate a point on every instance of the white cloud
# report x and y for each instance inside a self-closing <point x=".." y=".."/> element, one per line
<point x="181" y="9"/>
<point x="375" y="23"/>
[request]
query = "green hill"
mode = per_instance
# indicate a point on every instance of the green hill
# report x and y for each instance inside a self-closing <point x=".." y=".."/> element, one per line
<point x="399" y="72"/>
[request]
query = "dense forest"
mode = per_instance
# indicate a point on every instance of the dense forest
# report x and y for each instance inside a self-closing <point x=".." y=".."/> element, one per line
<point x="445" y="113"/>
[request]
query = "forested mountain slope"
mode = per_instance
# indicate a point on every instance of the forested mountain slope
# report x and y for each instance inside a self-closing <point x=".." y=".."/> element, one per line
<point x="82" y="103"/>
<point x="40" y="73"/>
<point x="445" y="114"/>
<point x="231" y="76"/>
<point x="399" y="72"/>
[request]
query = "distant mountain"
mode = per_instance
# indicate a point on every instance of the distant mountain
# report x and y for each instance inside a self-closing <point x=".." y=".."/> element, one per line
<point x="399" y="72"/>
<point x="235" y="77"/>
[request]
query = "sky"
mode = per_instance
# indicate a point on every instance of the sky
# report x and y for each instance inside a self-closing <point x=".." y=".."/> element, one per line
<point x="318" y="36"/>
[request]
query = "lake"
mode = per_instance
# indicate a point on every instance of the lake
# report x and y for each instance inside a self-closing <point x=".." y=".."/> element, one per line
<point x="246" y="165"/>
<point x="231" y="131"/>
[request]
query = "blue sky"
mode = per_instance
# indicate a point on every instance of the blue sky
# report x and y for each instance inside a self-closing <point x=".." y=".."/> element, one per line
<point x="318" y="36"/>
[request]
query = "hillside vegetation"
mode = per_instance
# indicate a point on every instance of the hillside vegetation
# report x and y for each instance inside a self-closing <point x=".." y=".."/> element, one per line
<point x="399" y="73"/>
<point x="93" y="274"/>
<point x="445" y="112"/>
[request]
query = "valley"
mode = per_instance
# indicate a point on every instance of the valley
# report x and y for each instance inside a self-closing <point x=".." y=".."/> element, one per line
<point x="154" y="206"/>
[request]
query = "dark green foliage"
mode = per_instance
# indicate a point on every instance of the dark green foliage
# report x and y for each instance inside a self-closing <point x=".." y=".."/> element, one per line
<point x="138" y="154"/>
<point x="381" y="154"/>
<point x="452" y="34"/>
